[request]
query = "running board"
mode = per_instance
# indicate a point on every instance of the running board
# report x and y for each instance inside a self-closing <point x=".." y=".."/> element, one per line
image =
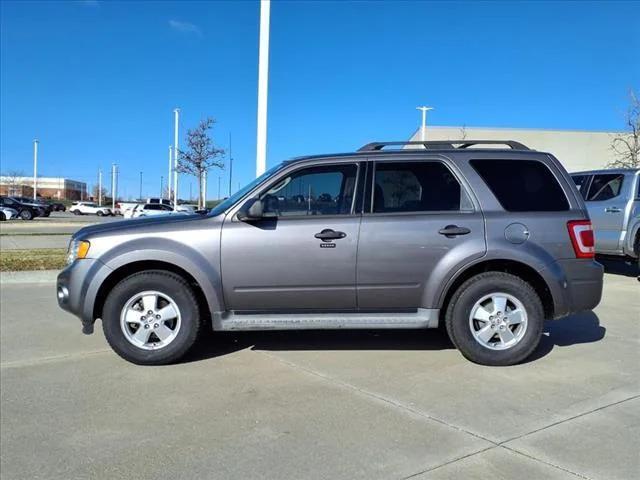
<point x="422" y="318"/>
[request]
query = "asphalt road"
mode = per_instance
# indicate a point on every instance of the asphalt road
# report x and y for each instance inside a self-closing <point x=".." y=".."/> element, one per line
<point x="330" y="405"/>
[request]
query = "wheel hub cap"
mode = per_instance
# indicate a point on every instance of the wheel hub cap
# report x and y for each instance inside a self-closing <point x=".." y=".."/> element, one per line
<point x="150" y="320"/>
<point x="498" y="321"/>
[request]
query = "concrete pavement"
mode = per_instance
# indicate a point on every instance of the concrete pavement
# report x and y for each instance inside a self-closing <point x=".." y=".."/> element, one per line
<point x="320" y="404"/>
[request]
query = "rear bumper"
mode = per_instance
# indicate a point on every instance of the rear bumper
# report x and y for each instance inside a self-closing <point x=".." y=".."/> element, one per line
<point x="577" y="286"/>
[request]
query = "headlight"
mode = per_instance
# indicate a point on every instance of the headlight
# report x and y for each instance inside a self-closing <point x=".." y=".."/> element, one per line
<point x="77" y="249"/>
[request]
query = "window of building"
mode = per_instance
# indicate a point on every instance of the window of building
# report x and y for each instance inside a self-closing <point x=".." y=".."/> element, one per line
<point x="417" y="187"/>
<point x="322" y="190"/>
<point x="605" y="187"/>
<point x="522" y="185"/>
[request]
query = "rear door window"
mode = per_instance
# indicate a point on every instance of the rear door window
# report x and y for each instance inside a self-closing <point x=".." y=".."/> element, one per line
<point x="582" y="183"/>
<point x="417" y="187"/>
<point x="522" y="185"/>
<point x="605" y="186"/>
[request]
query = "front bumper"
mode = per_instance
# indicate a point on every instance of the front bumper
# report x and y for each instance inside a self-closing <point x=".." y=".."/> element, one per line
<point x="77" y="287"/>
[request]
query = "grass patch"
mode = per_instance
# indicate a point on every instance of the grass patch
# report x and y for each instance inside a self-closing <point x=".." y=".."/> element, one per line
<point x="34" y="259"/>
<point x="33" y="234"/>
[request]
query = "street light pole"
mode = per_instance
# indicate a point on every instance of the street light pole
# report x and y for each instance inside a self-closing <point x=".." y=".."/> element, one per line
<point x="176" y="150"/>
<point x="169" y="177"/>
<point x="161" y="182"/>
<point x="423" y="130"/>
<point x="263" y="82"/>
<point x="35" y="167"/>
<point x="113" y="187"/>
<point x="230" y="164"/>
<point x="100" y="187"/>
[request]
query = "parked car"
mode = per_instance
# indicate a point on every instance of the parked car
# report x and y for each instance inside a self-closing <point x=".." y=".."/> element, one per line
<point x="26" y="211"/>
<point x="39" y="203"/>
<point x="613" y="200"/>
<point x="58" y="207"/>
<point x="154" y="209"/>
<point x="126" y="208"/>
<point x="7" y="213"/>
<point x="89" y="208"/>
<point x="187" y="208"/>
<point x="490" y="242"/>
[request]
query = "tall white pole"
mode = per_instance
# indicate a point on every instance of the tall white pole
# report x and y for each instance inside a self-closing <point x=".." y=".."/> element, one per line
<point x="100" y="187"/>
<point x="113" y="187"/>
<point x="176" y="150"/>
<point x="35" y="167"/>
<point x="169" y="177"/>
<point x="263" y="82"/>
<point x="204" y="190"/>
<point x="423" y="129"/>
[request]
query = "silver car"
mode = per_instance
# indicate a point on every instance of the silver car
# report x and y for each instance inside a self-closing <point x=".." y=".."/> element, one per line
<point x="488" y="242"/>
<point x="613" y="200"/>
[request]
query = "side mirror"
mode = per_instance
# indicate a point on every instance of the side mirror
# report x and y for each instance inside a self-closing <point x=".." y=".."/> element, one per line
<point x="252" y="210"/>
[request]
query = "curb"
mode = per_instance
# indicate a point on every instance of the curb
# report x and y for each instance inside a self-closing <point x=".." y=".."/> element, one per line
<point x="30" y="276"/>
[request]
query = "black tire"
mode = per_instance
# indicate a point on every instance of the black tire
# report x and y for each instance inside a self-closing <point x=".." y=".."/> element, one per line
<point x="77" y="212"/>
<point x="459" y="310"/>
<point x="26" y="214"/>
<point x="100" y="213"/>
<point x="168" y="284"/>
<point x="46" y="214"/>
<point x="2" y="217"/>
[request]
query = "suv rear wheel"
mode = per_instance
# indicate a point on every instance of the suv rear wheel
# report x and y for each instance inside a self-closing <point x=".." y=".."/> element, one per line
<point x="151" y="318"/>
<point x="495" y="318"/>
<point x="26" y="214"/>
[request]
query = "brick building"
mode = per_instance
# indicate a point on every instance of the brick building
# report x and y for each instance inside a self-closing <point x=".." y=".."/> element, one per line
<point x="56" y="188"/>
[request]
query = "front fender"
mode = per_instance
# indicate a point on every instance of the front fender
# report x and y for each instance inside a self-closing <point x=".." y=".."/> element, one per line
<point x="201" y="263"/>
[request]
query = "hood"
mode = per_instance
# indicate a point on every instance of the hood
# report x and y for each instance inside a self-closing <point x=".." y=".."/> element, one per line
<point x="146" y="224"/>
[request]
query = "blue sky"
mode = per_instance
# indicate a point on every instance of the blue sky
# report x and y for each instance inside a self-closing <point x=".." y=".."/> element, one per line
<point x="96" y="81"/>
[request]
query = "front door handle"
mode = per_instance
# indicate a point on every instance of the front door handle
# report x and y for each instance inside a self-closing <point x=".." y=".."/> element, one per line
<point x="612" y="210"/>
<point x="451" y="231"/>
<point x="327" y="235"/>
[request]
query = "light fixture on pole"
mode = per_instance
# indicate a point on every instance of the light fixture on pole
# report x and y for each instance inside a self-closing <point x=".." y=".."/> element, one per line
<point x="176" y="150"/>
<point x="35" y="167"/>
<point x="263" y="82"/>
<point x="423" y="129"/>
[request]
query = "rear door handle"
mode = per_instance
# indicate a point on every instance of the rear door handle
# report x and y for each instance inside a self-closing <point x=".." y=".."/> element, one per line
<point x="327" y="234"/>
<point x="451" y="231"/>
<point x="612" y="210"/>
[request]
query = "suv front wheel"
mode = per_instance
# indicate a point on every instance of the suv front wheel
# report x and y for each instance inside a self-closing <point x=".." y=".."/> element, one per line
<point x="151" y="318"/>
<point x="495" y="318"/>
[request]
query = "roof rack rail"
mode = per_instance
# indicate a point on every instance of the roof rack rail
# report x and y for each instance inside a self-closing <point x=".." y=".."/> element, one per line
<point x="443" y="144"/>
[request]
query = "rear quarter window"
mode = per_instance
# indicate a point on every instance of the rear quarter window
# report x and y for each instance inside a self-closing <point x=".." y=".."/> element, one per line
<point x="522" y="185"/>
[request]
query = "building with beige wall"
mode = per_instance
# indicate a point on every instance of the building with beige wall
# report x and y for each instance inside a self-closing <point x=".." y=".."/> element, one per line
<point x="56" y="188"/>
<point x="577" y="150"/>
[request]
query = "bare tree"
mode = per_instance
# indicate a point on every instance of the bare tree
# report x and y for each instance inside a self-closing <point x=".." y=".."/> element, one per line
<point x="201" y="155"/>
<point x="95" y="193"/>
<point x="15" y="180"/>
<point x="463" y="132"/>
<point x="626" y="146"/>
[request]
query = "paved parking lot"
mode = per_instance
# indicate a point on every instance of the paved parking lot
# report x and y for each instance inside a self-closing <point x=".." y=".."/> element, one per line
<point x="338" y="405"/>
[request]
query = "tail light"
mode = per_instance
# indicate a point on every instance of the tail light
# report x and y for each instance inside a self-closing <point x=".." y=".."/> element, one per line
<point x="581" y="234"/>
<point x="117" y="205"/>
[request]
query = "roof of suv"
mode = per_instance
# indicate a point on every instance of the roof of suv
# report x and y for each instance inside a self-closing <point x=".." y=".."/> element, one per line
<point x="377" y="148"/>
<point x="631" y="171"/>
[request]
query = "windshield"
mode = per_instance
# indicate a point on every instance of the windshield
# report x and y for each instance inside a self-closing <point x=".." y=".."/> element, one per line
<point x="221" y="207"/>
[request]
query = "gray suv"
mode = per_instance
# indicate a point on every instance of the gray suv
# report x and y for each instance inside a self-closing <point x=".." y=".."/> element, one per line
<point x="613" y="201"/>
<point x="485" y="241"/>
